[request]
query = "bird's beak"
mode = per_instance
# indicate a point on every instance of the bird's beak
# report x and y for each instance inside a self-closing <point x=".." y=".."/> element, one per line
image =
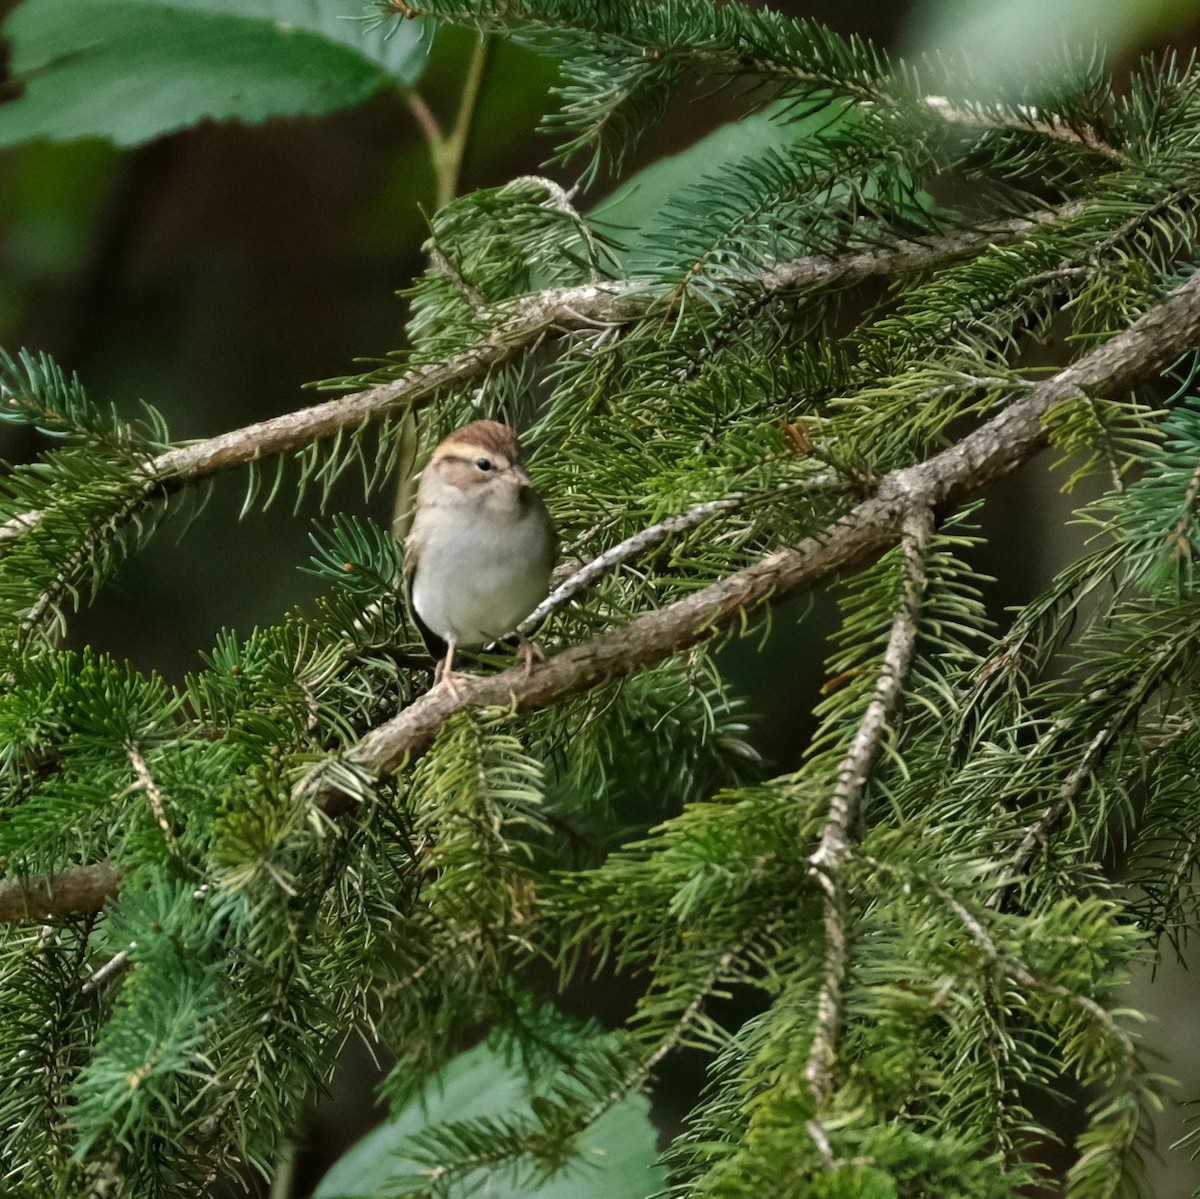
<point x="520" y="478"/>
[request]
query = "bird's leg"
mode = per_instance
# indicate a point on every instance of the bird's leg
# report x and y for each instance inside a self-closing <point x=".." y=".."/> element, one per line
<point x="529" y="651"/>
<point x="444" y="673"/>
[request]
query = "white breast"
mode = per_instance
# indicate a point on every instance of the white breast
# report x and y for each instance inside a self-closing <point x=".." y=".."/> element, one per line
<point x="476" y="585"/>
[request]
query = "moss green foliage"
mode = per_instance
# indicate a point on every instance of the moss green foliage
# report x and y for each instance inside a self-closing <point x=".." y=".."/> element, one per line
<point x="178" y="1035"/>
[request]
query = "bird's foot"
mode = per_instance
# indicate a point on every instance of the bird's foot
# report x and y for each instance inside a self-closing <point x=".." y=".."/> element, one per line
<point x="449" y="682"/>
<point x="529" y="651"/>
<point x="443" y="675"/>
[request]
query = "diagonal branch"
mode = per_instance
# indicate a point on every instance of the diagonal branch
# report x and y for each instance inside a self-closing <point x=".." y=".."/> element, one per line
<point x="1141" y="351"/>
<point x="521" y="324"/>
<point x="1037" y="835"/>
<point x="991" y="451"/>
<point x="577" y="581"/>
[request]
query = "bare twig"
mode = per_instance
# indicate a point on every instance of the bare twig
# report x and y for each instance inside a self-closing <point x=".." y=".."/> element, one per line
<point x="446" y="149"/>
<point x="145" y="780"/>
<point x="115" y="966"/>
<point x="425" y="117"/>
<point x="634" y="547"/>
<point x="835" y="844"/>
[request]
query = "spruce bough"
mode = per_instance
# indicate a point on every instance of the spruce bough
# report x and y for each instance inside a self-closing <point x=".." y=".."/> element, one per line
<point x="209" y="887"/>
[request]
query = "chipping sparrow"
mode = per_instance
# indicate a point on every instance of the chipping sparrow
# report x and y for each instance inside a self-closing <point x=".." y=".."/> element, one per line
<point x="477" y="559"/>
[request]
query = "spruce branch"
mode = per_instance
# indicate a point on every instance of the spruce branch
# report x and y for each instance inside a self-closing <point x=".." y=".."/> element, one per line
<point x="529" y="1142"/>
<point x="637" y="1077"/>
<point x="845" y="804"/>
<point x="1038" y="834"/>
<point x="519" y="326"/>
<point x="726" y="46"/>
<point x="1020" y="973"/>
<point x="995" y="449"/>
<point x="1030" y="118"/>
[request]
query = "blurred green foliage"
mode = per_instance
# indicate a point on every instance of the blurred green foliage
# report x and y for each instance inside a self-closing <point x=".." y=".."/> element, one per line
<point x="132" y="70"/>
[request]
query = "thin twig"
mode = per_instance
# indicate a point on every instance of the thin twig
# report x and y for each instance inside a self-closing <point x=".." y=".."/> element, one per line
<point x="145" y="780"/>
<point x="448" y="156"/>
<point x="844" y="806"/>
<point x="1181" y="546"/>
<point x="635" y="546"/>
<point x="1021" y="974"/>
<point x="446" y="149"/>
<point x="115" y="966"/>
<point x="638" y="1075"/>
<point x="1038" y="833"/>
<point x="563" y="201"/>
<point x="1030" y="119"/>
<point x="424" y="115"/>
<point x="464" y="938"/>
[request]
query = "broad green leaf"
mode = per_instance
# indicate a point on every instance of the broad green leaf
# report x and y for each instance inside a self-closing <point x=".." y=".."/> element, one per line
<point x="131" y="70"/>
<point x="617" y="1155"/>
<point x="399" y="47"/>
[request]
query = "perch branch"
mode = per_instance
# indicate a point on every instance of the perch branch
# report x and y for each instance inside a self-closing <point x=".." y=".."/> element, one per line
<point x="996" y="448"/>
<point x="988" y="453"/>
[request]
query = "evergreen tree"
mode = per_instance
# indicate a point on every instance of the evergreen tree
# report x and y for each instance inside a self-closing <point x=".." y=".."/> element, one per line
<point x="805" y="372"/>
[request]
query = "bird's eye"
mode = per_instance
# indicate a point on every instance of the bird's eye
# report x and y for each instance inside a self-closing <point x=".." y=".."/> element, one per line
<point x="485" y="464"/>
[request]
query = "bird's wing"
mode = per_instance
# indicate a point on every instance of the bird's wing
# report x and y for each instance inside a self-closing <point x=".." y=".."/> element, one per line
<point x="433" y="643"/>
